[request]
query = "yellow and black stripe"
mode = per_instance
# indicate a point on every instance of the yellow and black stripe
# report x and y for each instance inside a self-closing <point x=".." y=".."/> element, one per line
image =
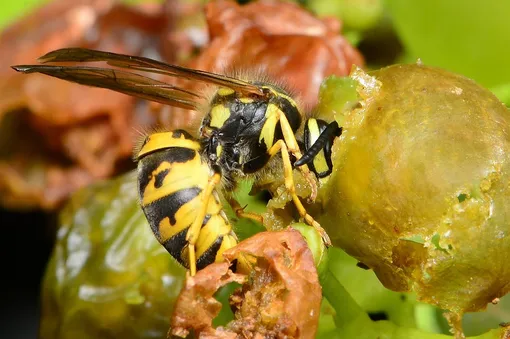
<point x="172" y="178"/>
<point x="246" y="124"/>
<point x="318" y="140"/>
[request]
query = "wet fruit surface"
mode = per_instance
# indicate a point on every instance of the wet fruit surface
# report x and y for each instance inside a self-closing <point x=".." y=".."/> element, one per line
<point x="420" y="186"/>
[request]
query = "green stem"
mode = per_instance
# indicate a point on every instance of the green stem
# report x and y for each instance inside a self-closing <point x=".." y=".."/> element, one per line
<point x="347" y="310"/>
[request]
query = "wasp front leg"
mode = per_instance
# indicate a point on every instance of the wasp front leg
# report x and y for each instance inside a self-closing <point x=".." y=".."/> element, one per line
<point x="194" y="229"/>
<point x="280" y="146"/>
<point x="293" y="148"/>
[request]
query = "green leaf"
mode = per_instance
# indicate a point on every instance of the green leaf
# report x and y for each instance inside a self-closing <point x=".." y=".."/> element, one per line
<point x="359" y="15"/>
<point x="465" y="36"/>
<point x="503" y="93"/>
<point x="11" y="11"/>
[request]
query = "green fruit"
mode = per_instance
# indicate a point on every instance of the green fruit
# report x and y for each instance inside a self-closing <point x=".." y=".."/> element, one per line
<point x="421" y="186"/>
<point x="108" y="276"/>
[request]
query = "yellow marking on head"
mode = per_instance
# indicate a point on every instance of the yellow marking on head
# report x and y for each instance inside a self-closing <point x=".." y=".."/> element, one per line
<point x="219" y="149"/>
<point x="313" y="127"/>
<point x="193" y="173"/>
<point x="319" y="161"/>
<point x="224" y="91"/>
<point x="219" y="114"/>
<point x="158" y="141"/>
<point x="246" y="100"/>
<point x="267" y="132"/>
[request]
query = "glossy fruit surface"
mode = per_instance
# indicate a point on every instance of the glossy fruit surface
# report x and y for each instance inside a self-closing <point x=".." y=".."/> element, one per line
<point x="421" y="187"/>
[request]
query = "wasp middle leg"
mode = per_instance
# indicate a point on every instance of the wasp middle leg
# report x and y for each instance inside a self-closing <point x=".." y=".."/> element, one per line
<point x="281" y="146"/>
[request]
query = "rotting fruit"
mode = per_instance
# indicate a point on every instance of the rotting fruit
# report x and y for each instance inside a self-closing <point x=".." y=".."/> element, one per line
<point x="420" y="186"/>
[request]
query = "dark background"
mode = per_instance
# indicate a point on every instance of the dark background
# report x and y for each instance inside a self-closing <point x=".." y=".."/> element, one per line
<point x="25" y="247"/>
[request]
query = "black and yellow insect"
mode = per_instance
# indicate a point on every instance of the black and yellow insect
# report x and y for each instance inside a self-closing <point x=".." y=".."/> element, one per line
<point x="246" y="124"/>
<point x="176" y="188"/>
<point x="318" y="140"/>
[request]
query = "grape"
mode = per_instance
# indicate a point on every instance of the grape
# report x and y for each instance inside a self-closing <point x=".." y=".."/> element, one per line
<point x="420" y="187"/>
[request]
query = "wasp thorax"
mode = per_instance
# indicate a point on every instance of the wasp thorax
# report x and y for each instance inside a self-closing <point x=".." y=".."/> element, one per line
<point x="240" y="128"/>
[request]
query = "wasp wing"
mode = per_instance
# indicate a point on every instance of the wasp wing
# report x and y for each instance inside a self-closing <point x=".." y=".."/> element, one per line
<point x="148" y="65"/>
<point x="120" y="81"/>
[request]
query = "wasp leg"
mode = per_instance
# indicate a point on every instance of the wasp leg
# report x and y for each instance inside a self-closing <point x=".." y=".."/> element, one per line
<point x="240" y="213"/>
<point x="293" y="148"/>
<point x="281" y="146"/>
<point x="194" y="229"/>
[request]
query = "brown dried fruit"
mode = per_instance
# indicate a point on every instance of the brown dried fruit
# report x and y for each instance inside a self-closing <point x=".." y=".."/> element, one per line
<point x="277" y="38"/>
<point x="196" y="307"/>
<point x="72" y="135"/>
<point x="281" y="298"/>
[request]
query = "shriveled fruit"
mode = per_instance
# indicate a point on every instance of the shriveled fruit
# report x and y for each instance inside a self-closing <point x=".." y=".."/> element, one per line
<point x="280" y="296"/>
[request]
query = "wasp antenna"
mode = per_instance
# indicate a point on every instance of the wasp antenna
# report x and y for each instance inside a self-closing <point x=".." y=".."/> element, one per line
<point x="331" y="130"/>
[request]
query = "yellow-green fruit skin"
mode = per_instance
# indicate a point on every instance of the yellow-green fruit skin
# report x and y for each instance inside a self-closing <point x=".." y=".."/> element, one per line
<point x="420" y="188"/>
<point x="108" y="276"/>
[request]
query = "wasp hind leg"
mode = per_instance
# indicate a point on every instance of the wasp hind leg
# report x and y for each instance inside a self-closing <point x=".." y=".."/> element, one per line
<point x="281" y="146"/>
<point x="194" y="230"/>
<point x="240" y="213"/>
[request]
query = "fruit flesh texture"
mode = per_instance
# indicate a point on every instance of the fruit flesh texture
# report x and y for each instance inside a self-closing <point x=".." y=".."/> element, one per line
<point x="420" y="186"/>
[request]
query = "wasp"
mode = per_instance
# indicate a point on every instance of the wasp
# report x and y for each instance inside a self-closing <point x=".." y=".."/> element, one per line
<point x="174" y="182"/>
<point x="246" y="125"/>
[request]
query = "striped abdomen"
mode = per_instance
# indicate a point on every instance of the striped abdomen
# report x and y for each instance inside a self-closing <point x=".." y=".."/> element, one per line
<point x="171" y="181"/>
